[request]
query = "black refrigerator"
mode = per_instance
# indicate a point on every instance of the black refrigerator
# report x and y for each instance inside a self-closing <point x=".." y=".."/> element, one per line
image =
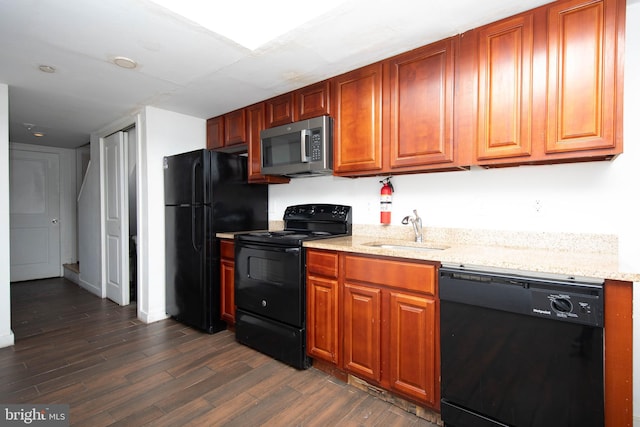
<point x="205" y="192"/>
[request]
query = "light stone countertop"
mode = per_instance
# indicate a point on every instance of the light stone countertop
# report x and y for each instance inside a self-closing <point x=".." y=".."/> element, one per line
<point x="570" y="254"/>
<point x="573" y="255"/>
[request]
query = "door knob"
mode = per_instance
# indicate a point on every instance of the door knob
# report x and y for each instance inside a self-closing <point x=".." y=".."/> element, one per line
<point x="54" y="221"/>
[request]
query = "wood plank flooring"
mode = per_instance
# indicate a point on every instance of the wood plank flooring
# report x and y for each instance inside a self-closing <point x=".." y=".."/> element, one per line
<point x="74" y="348"/>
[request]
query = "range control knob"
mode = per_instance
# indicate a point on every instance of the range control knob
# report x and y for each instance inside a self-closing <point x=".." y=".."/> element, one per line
<point x="561" y="305"/>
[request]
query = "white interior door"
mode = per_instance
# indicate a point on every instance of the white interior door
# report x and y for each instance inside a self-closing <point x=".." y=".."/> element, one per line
<point x="116" y="269"/>
<point x="35" y="212"/>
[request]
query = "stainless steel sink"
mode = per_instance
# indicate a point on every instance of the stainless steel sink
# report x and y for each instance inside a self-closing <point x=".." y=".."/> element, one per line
<point x="406" y="246"/>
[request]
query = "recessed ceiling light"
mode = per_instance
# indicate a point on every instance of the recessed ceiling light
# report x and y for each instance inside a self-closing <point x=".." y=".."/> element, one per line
<point x="30" y="128"/>
<point x="47" y="68"/>
<point x="125" y="62"/>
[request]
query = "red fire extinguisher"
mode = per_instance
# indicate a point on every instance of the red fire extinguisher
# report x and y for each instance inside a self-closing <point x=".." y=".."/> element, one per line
<point x="385" y="201"/>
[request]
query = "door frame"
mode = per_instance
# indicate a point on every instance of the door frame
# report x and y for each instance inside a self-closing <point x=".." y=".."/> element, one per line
<point x="122" y="296"/>
<point x="133" y="124"/>
<point x="68" y="202"/>
<point x="37" y="231"/>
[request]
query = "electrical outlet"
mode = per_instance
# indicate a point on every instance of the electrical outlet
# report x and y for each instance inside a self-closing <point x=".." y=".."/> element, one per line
<point x="371" y="206"/>
<point x="537" y="206"/>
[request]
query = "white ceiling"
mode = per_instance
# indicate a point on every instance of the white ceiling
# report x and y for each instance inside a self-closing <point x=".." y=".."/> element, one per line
<point x="187" y="69"/>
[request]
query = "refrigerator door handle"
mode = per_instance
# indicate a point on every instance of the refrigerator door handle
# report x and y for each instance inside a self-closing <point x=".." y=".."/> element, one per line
<point x="194" y="182"/>
<point x="195" y="236"/>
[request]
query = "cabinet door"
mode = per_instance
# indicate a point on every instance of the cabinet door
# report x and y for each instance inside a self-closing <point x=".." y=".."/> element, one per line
<point x="322" y="318"/>
<point x="215" y="133"/>
<point x="255" y="115"/>
<point x="235" y="128"/>
<point x="255" y="124"/>
<point x="362" y="330"/>
<point x="421" y="89"/>
<point x="585" y="76"/>
<point x="280" y="110"/>
<point x="505" y="89"/>
<point x="227" y="268"/>
<point x="313" y="101"/>
<point x="358" y="121"/>
<point x="412" y="347"/>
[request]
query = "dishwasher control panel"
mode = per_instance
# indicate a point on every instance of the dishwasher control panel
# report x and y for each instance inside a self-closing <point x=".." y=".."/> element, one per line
<point x="585" y="308"/>
<point x="563" y="299"/>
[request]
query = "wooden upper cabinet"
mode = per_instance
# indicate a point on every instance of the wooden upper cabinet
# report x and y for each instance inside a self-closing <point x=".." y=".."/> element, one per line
<point x="227" y="132"/>
<point x="313" y="101"/>
<point x="215" y="133"/>
<point x="280" y="110"/>
<point x="421" y="107"/>
<point x="585" y="63"/>
<point x="357" y="111"/>
<point x="549" y="84"/>
<point x="543" y="86"/>
<point x="235" y="128"/>
<point x="255" y="122"/>
<point x="505" y="89"/>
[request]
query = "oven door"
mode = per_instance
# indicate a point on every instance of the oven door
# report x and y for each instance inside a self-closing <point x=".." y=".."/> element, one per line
<point x="269" y="281"/>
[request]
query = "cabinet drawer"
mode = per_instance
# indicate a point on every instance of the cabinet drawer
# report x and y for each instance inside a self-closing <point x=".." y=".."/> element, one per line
<point x="322" y="263"/>
<point x="407" y="275"/>
<point x="226" y="249"/>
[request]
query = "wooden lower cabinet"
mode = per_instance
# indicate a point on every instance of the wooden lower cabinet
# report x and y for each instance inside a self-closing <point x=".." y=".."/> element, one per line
<point x="362" y="317"/>
<point x="390" y="340"/>
<point x="322" y="306"/>
<point x="376" y="318"/>
<point x="412" y="337"/>
<point x="322" y="327"/>
<point x="227" y="269"/>
<point x="618" y="353"/>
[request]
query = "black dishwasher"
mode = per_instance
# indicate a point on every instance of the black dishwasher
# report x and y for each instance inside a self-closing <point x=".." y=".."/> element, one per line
<point x="520" y="349"/>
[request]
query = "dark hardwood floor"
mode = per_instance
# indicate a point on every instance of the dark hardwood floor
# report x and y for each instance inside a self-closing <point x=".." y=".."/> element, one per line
<point x="74" y="348"/>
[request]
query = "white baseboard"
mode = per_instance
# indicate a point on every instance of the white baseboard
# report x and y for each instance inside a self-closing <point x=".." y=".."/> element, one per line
<point x="152" y="317"/>
<point x="7" y="340"/>
<point x="72" y="276"/>
<point x="90" y="287"/>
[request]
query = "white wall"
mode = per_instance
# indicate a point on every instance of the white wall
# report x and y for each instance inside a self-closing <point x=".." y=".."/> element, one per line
<point x="164" y="133"/>
<point x="158" y="133"/>
<point x="6" y="335"/>
<point x="628" y="201"/>
<point x="89" y="230"/>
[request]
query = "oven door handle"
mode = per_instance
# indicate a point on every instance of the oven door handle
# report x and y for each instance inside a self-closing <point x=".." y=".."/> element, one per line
<point x="269" y="248"/>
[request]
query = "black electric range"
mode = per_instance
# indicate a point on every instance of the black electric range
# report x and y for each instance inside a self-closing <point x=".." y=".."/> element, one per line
<point x="270" y="286"/>
<point x="306" y="222"/>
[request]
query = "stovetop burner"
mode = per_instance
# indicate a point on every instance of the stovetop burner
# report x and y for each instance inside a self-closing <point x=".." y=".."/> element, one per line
<point x="307" y="222"/>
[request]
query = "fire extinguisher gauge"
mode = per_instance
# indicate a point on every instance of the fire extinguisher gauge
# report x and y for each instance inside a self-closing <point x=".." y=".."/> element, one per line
<point x="387" y="181"/>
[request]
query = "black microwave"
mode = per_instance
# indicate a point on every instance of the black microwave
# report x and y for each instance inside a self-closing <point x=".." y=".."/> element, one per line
<point x="303" y="148"/>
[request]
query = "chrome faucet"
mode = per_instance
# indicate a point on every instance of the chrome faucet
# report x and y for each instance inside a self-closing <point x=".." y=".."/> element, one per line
<point x="416" y="221"/>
